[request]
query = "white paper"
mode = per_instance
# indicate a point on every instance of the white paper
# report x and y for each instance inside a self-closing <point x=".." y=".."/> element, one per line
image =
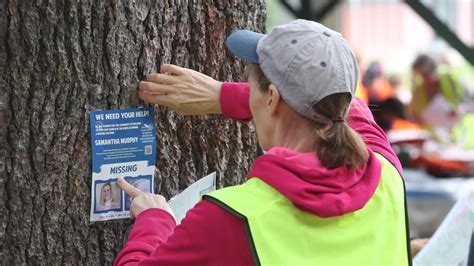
<point x="450" y="243"/>
<point x="185" y="200"/>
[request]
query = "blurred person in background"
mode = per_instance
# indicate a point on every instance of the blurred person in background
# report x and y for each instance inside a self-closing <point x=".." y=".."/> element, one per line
<point x="437" y="94"/>
<point x="400" y="91"/>
<point x="391" y="115"/>
<point x="463" y="132"/>
<point x="378" y="88"/>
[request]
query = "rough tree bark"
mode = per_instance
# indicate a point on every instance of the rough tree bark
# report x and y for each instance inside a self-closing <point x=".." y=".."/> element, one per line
<point x="59" y="60"/>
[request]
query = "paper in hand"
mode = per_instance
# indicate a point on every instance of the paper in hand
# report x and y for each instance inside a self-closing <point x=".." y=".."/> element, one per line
<point x="185" y="200"/>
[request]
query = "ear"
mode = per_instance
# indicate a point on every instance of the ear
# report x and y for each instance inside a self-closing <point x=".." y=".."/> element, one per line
<point x="273" y="101"/>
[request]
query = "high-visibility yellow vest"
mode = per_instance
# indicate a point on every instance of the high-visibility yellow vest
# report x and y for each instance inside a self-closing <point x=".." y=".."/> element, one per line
<point x="281" y="234"/>
<point x="463" y="132"/>
<point x="450" y="87"/>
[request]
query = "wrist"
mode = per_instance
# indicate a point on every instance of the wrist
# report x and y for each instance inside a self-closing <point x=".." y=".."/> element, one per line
<point x="217" y="88"/>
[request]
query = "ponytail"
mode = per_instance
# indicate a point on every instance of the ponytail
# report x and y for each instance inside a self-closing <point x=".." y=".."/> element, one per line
<point x="338" y="144"/>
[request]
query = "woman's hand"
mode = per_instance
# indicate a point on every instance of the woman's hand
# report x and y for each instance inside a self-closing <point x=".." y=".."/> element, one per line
<point x="184" y="90"/>
<point x="143" y="200"/>
<point x="417" y="244"/>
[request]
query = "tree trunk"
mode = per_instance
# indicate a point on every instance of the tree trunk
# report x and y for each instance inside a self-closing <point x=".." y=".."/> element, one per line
<point x="59" y="60"/>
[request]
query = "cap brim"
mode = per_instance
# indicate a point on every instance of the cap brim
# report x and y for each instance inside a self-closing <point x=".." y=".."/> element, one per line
<point x="243" y="44"/>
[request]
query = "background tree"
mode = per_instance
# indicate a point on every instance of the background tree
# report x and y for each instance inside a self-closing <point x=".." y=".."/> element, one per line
<point x="59" y="60"/>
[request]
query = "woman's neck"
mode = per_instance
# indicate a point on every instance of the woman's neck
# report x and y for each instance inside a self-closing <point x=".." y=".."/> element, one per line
<point x="296" y="133"/>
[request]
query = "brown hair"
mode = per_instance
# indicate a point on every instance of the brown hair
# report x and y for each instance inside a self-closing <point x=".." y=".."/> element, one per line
<point x="338" y="145"/>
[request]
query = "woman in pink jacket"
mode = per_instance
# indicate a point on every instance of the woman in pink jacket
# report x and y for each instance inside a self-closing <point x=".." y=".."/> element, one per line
<point x="327" y="162"/>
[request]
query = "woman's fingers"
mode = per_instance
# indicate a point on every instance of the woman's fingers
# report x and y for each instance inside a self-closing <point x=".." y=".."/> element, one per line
<point x="183" y="90"/>
<point x="162" y="78"/>
<point x="129" y="189"/>
<point x="161" y="99"/>
<point x="155" y="88"/>
<point x="172" y="69"/>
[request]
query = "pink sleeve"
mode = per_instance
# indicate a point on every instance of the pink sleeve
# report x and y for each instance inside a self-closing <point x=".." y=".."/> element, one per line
<point x="362" y="121"/>
<point x="208" y="235"/>
<point x="144" y="237"/>
<point x="235" y="101"/>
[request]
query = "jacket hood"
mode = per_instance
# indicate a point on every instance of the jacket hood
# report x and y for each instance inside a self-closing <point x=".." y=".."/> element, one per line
<point x="313" y="188"/>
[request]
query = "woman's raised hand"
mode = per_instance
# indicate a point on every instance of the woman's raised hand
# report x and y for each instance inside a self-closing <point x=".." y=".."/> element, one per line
<point x="184" y="90"/>
<point x="143" y="200"/>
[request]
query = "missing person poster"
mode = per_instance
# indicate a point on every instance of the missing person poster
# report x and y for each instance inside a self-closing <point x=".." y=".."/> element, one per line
<point x="123" y="145"/>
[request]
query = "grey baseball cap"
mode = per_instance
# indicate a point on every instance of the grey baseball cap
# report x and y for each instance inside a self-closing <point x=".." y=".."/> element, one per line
<point x="305" y="60"/>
